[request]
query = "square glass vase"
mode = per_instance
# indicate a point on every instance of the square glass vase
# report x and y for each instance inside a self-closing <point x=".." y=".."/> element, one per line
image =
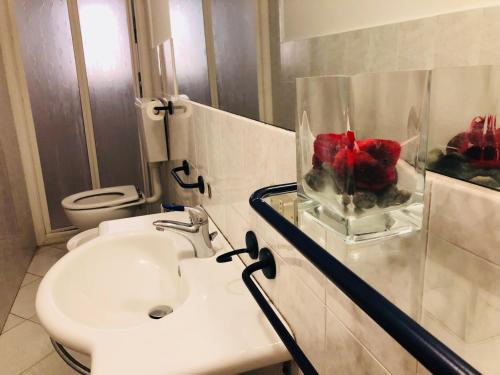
<point x="361" y="146"/>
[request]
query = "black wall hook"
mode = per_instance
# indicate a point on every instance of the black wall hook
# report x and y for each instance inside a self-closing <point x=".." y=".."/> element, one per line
<point x="200" y="185"/>
<point x="252" y="249"/>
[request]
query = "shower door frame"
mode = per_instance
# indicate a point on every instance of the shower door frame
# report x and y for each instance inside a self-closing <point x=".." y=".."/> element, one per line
<point x="23" y="116"/>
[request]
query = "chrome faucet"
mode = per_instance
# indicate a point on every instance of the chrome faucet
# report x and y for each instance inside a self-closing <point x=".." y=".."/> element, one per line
<point x="197" y="228"/>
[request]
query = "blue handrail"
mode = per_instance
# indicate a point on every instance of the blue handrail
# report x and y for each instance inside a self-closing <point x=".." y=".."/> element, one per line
<point x="427" y="349"/>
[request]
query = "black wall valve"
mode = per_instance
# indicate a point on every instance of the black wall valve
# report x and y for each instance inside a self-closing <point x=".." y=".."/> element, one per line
<point x="252" y="249"/>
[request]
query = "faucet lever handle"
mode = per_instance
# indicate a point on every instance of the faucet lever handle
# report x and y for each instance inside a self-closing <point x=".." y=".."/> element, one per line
<point x="252" y="249"/>
<point x="197" y="215"/>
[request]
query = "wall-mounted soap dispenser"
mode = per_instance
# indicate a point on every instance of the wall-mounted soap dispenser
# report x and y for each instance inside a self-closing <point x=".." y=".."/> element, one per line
<point x="361" y="151"/>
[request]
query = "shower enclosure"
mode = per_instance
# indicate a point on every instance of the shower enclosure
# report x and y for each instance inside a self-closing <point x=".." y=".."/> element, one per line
<point x="80" y="73"/>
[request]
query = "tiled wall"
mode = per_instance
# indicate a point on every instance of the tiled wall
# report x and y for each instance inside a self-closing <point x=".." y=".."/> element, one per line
<point x="236" y="156"/>
<point x="463" y="271"/>
<point x="453" y="263"/>
<point x="17" y="238"/>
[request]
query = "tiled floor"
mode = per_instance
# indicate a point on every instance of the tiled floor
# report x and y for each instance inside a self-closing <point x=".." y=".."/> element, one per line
<point x="25" y="347"/>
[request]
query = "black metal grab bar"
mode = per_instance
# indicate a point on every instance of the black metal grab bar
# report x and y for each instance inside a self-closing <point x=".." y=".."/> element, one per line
<point x="268" y="266"/>
<point x="200" y="185"/>
<point x="427" y="349"/>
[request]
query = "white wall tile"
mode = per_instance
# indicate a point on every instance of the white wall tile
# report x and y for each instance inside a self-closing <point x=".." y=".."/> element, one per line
<point x="357" y="51"/>
<point x="456" y="277"/>
<point x="490" y="43"/>
<point x="416" y="44"/>
<point x="345" y="354"/>
<point x="383" y="347"/>
<point x="466" y="215"/>
<point x="268" y="157"/>
<point x="328" y="54"/>
<point x="383" y="50"/>
<point x="306" y="315"/>
<point x="394" y="267"/>
<point x="458" y="39"/>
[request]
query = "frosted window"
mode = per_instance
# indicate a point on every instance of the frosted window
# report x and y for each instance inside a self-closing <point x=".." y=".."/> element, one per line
<point x="49" y="63"/>
<point x="106" y="43"/>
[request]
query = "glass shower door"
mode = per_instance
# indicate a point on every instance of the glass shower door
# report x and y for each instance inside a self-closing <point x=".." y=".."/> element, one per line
<point x="108" y="61"/>
<point x="77" y="57"/>
<point x="50" y="68"/>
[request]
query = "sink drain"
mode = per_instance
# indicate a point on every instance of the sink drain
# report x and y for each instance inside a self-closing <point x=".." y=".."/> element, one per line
<point x="159" y="312"/>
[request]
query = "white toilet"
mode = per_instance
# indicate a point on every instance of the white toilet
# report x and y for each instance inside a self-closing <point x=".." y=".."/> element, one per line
<point x="85" y="210"/>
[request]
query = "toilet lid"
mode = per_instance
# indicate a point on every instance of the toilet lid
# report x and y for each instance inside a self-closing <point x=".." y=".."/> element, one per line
<point x="100" y="198"/>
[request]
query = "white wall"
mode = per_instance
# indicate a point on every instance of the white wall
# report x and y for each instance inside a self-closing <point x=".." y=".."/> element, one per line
<point x="306" y="19"/>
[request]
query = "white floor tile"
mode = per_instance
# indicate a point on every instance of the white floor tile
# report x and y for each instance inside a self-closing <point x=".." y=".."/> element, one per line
<point x="22" y="347"/>
<point x="35" y="319"/>
<point x="51" y="365"/>
<point x="24" y="305"/>
<point x="29" y="278"/>
<point x="60" y="245"/>
<point x="45" y="258"/>
<point x="11" y="322"/>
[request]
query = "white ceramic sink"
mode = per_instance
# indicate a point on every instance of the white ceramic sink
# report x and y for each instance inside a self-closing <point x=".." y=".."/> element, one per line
<point x="116" y="287"/>
<point x="97" y="300"/>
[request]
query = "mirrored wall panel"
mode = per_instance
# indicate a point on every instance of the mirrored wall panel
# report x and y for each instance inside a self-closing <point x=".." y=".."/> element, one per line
<point x="278" y="42"/>
<point x="235" y="32"/>
<point x="263" y="49"/>
<point x="191" y="65"/>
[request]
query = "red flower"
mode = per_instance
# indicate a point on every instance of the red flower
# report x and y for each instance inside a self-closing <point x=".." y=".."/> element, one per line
<point x="326" y="146"/>
<point x="480" y="143"/>
<point x="365" y="164"/>
<point x="385" y="151"/>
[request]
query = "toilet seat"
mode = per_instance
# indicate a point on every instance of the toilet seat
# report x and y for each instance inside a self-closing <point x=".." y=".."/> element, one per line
<point x="102" y="198"/>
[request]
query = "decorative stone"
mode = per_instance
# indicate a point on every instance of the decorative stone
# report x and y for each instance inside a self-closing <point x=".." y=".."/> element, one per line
<point x="315" y="179"/>
<point x="434" y="156"/>
<point x="485" y="181"/>
<point x="346" y="199"/>
<point x="392" y="196"/>
<point x="364" y="199"/>
<point x="403" y="196"/>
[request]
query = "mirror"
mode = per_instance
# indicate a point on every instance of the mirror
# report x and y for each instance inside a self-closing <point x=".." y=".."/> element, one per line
<point x="249" y="57"/>
<point x="244" y="56"/>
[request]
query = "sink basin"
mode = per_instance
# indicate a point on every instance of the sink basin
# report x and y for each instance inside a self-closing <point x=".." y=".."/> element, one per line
<point x="118" y="287"/>
<point x="102" y="299"/>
